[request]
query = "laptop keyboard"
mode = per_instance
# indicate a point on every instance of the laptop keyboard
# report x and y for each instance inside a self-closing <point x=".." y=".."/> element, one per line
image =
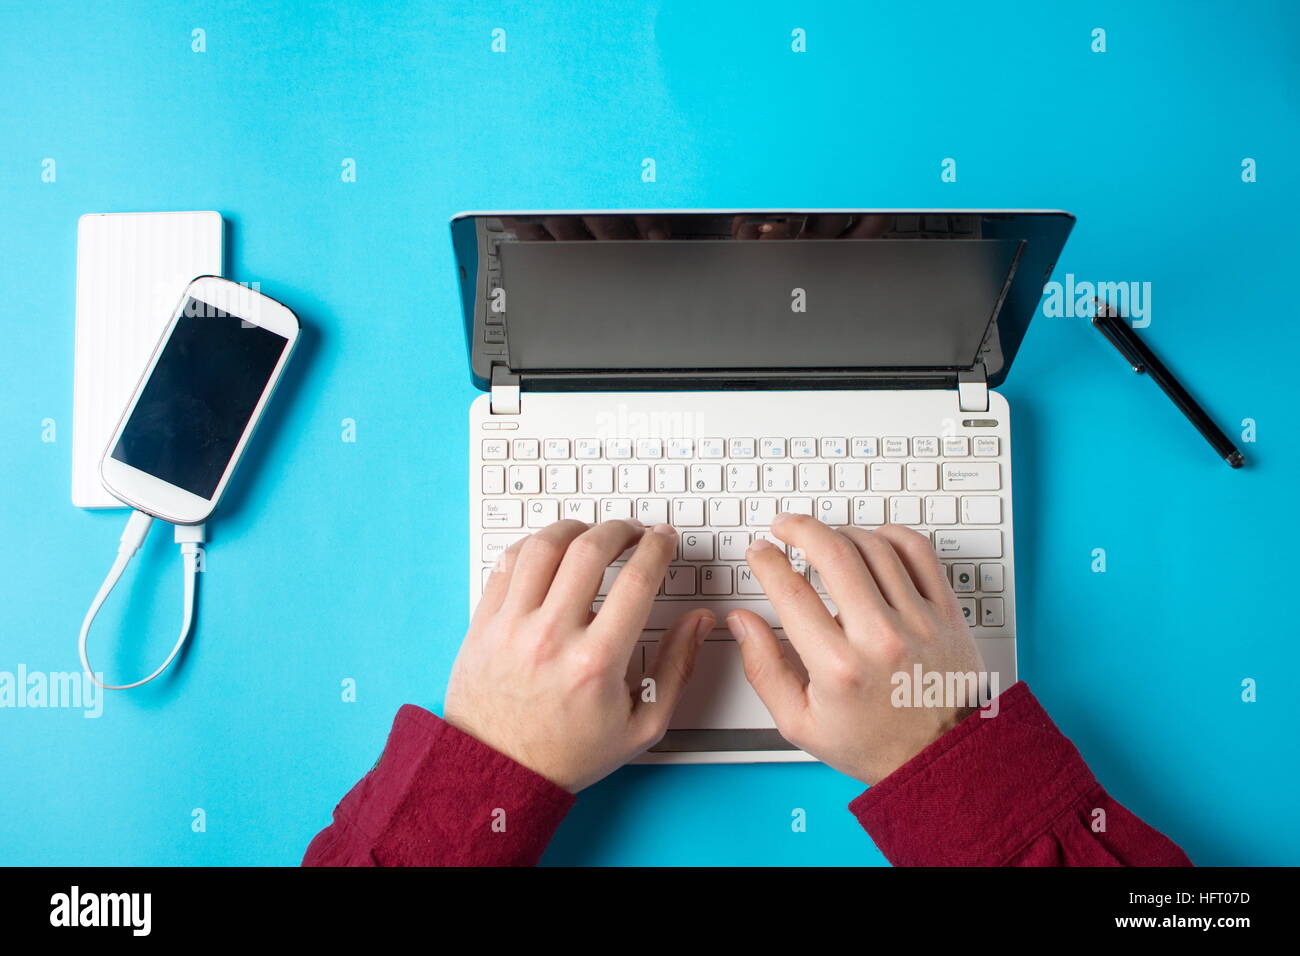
<point x="721" y="493"/>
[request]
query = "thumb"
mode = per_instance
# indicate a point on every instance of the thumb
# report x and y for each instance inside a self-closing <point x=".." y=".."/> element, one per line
<point x="677" y="649"/>
<point x="773" y="677"/>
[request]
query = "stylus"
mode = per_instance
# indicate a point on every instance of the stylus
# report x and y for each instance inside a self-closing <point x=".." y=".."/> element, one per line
<point x="1120" y="335"/>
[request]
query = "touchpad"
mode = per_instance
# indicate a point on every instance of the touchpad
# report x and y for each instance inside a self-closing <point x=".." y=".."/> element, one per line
<point x="718" y="696"/>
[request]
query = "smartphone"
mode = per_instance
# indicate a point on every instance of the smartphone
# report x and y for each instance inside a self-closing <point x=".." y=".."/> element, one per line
<point x="199" y="400"/>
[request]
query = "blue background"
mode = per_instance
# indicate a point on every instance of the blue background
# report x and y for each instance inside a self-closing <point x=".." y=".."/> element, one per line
<point x="333" y="560"/>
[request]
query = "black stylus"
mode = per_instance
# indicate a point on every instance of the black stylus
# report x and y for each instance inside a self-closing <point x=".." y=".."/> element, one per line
<point x="1143" y="360"/>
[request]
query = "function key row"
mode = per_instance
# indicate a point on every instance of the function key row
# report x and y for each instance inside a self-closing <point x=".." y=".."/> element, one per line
<point x="586" y="449"/>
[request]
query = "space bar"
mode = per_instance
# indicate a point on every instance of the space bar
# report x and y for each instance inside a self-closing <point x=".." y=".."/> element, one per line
<point x="664" y="613"/>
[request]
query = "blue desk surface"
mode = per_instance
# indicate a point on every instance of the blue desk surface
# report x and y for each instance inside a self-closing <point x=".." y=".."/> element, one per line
<point x="338" y="561"/>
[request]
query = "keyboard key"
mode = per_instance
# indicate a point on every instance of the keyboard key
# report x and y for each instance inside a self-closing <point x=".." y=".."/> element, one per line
<point x="715" y="579"/>
<point x="981" y="509"/>
<point x="797" y="506"/>
<point x="586" y="448"/>
<point x="732" y="545"/>
<point x="494" y="544"/>
<point x="834" y="447"/>
<point x="525" y="479"/>
<point x="956" y="447"/>
<point x="681" y="448"/>
<point x="886" y="476"/>
<point x="814" y="477"/>
<point x="597" y="479"/>
<point x="494" y="479"/>
<point x="991" y="577"/>
<point x="963" y="578"/>
<point x="556" y="448"/>
<point x="803" y="448"/>
<point x="688" y="512"/>
<point x="618" y="449"/>
<point x="967" y="606"/>
<point x="525" y="449"/>
<point x="670" y="479"/>
<point x="760" y="512"/>
<point x="543" y="511"/>
<point x="712" y="448"/>
<point x="706" y="477"/>
<point x="961" y="543"/>
<point x="984" y="476"/>
<point x="905" y="509"/>
<point x="940" y="509"/>
<point x="633" y="479"/>
<point x="607" y="581"/>
<point x="986" y="447"/>
<point x="778" y="477"/>
<point x="992" y="612"/>
<point x="742" y="478"/>
<point x="741" y="448"/>
<point x="850" y="476"/>
<point x="868" y="510"/>
<point x="893" y="447"/>
<point x="495" y="449"/>
<point x="651" y="511"/>
<point x="724" y="512"/>
<point x="697" y="546"/>
<point x="833" y="511"/>
<point x="922" y="476"/>
<point x="649" y="448"/>
<point x="615" y="509"/>
<point x="865" y="447"/>
<point x="746" y="583"/>
<point x="561" y="479"/>
<point x="771" y="539"/>
<point x="771" y="447"/>
<point x="925" y="447"/>
<point x="580" y="509"/>
<point x="503" y="513"/>
<point x="680" y="580"/>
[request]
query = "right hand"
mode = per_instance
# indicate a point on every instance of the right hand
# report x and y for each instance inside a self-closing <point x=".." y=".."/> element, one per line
<point x="896" y="609"/>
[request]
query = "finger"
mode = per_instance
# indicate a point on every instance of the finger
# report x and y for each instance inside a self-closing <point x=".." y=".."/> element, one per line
<point x="808" y="625"/>
<point x="498" y="584"/>
<point x="767" y="669"/>
<point x="878" y="552"/>
<point x="534" y="569"/>
<point x="623" y="615"/>
<point x="677" y="650"/>
<point x="922" y="564"/>
<point x="578" y="579"/>
<point x="840" y="564"/>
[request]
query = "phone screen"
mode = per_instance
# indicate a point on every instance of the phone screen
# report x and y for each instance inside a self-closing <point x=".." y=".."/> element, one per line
<point x="197" y="403"/>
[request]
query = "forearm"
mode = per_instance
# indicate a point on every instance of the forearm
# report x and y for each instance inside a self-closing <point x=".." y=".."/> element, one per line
<point x="1006" y="790"/>
<point x="439" y="797"/>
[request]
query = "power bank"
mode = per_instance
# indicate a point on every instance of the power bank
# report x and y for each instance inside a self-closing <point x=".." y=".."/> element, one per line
<point x="131" y="271"/>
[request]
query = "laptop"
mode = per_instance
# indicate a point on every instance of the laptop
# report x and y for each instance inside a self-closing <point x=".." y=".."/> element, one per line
<point x="713" y="368"/>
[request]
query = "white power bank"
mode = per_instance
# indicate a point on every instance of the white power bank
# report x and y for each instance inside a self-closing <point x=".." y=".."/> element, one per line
<point x="131" y="271"/>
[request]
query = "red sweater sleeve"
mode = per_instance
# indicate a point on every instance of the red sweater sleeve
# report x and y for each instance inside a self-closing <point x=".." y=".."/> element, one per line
<point x="439" y="797"/>
<point x="1006" y="790"/>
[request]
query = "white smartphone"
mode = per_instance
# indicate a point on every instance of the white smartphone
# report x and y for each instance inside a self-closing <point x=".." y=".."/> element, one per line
<point x="199" y="400"/>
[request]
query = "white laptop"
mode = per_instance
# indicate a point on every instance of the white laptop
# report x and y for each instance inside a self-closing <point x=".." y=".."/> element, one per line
<point x="713" y="368"/>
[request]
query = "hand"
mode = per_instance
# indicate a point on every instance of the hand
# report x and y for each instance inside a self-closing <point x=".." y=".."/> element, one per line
<point x="543" y="680"/>
<point x="896" y="610"/>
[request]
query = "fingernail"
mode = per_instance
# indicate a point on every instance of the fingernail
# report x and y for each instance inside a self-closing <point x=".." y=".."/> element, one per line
<point x="780" y="517"/>
<point x="736" y="624"/>
<point x="704" y="627"/>
<point x="664" y="529"/>
<point x="761" y="544"/>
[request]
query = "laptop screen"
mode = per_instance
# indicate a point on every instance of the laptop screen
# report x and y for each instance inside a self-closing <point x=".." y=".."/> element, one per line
<point x="629" y="293"/>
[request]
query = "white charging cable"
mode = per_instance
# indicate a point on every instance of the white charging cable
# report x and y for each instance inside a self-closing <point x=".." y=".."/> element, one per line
<point x="190" y="538"/>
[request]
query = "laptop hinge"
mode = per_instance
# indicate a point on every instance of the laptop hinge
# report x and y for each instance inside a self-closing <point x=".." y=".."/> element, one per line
<point x="973" y="390"/>
<point x="505" y="391"/>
